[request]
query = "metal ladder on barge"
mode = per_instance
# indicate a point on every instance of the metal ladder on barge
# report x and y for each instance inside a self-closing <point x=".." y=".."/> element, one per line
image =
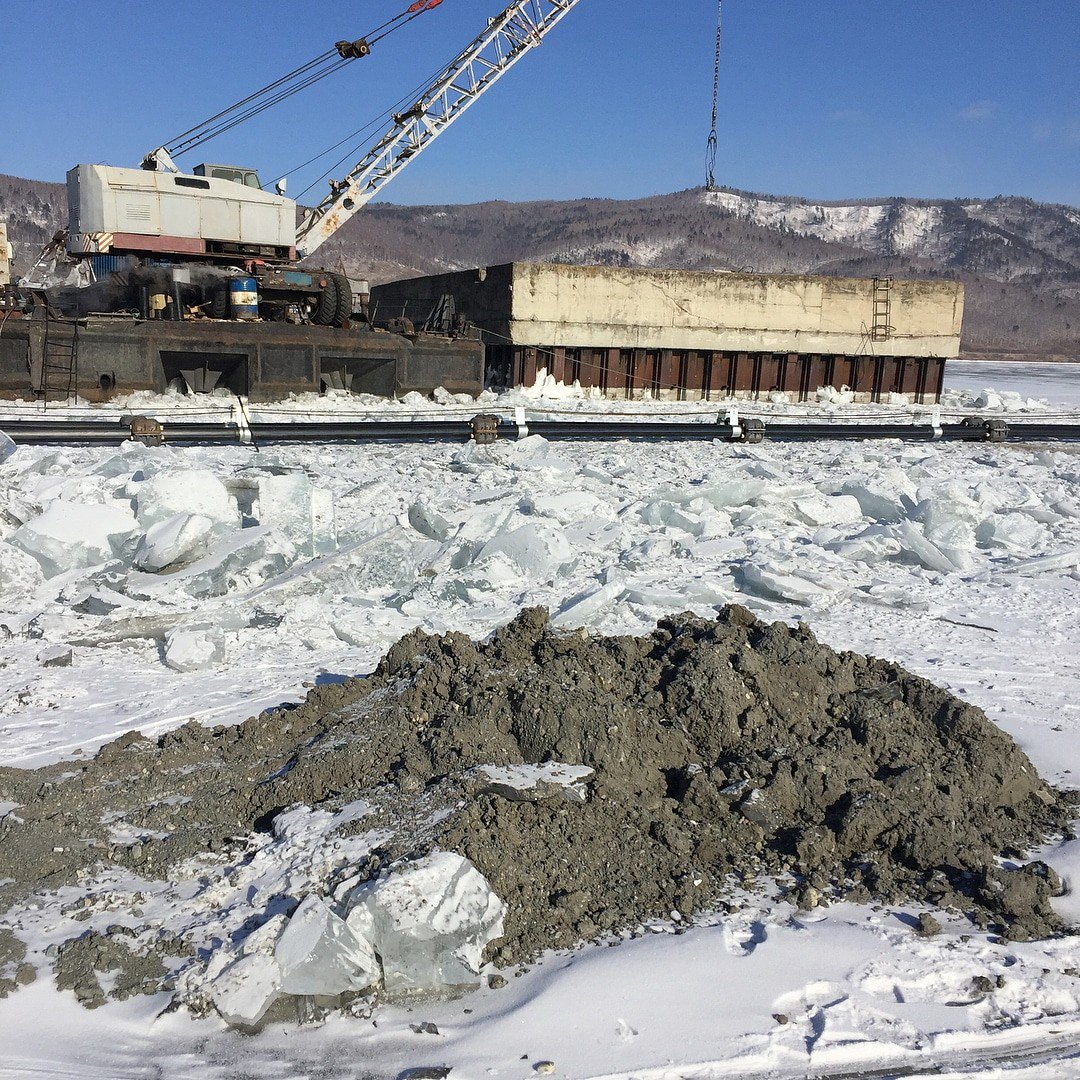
<point x="881" y="328"/>
<point x="59" y="359"/>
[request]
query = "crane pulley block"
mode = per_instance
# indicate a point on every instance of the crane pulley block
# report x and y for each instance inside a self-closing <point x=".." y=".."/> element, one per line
<point x="353" y="50"/>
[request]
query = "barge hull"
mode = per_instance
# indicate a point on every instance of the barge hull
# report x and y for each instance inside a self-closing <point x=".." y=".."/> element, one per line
<point x="261" y="360"/>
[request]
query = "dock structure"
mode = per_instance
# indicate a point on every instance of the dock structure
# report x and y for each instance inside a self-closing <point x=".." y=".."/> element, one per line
<point x="635" y="333"/>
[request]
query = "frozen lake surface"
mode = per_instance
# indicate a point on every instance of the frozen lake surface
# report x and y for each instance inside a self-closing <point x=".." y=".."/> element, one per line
<point x="213" y="582"/>
<point x="1058" y="383"/>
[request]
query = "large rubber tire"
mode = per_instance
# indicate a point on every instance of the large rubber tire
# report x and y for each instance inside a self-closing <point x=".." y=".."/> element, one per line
<point x="335" y="301"/>
<point x="218" y="305"/>
<point x="326" y="307"/>
<point x="344" y="300"/>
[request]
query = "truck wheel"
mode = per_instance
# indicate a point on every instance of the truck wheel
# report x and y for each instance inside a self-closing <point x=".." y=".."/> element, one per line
<point x="344" y="300"/>
<point x="325" y="310"/>
<point x="218" y="306"/>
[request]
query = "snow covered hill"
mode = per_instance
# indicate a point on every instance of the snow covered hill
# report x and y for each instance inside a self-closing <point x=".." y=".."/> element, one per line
<point x="1005" y="237"/>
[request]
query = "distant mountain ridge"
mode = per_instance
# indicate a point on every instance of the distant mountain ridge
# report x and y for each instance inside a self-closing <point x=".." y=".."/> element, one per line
<point x="1019" y="259"/>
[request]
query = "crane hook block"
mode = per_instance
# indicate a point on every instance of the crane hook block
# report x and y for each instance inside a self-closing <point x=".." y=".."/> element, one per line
<point x="352" y="50"/>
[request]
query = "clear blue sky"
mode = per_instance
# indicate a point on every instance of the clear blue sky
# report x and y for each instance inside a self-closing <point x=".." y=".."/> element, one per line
<point x="830" y="99"/>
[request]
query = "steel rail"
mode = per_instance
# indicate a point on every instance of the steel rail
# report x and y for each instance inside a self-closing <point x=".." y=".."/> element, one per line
<point x="733" y="429"/>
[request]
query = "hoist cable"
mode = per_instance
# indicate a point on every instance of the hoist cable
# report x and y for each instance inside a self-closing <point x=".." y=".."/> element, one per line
<point x="280" y="89"/>
<point x="407" y="98"/>
<point x="329" y="54"/>
<point x="206" y="135"/>
<point x="710" y="145"/>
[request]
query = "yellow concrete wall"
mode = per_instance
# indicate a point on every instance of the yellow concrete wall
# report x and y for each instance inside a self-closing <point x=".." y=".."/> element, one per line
<point x="5" y="266"/>
<point x="617" y="307"/>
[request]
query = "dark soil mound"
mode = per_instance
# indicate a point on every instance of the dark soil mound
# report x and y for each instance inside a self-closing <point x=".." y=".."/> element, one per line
<point x="723" y="751"/>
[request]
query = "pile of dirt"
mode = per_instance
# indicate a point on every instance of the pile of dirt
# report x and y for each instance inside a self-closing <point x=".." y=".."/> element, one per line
<point x="722" y="751"/>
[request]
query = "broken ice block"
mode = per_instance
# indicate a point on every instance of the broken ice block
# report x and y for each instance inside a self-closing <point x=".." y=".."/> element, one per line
<point x="429" y="922"/>
<point x="888" y="497"/>
<point x="872" y="545"/>
<point x="536" y="549"/>
<point x="185" y="491"/>
<point x="20" y="573"/>
<point x="68" y="535"/>
<point x="7" y="446"/>
<point x="921" y="549"/>
<point x="246" y="989"/>
<point x="241" y="980"/>
<point x="304" y="513"/>
<point x="427" y="521"/>
<point x="660" y="512"/>
<point x="243" y="560"/>
<point x="582" y="609"/>
<point x="319" y="954"/>
<point x="1013" y="532"/>
<point x="733" y="492"/>
<point x="817" y="509"/>
<point x="775" y="584"/>
<point x="176" y="539"/>
<point x="567" y="507"/>
<point x="193" y="650"/>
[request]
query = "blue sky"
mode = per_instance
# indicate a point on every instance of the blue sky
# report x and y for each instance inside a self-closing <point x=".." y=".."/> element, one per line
<point x="832" y="99"/>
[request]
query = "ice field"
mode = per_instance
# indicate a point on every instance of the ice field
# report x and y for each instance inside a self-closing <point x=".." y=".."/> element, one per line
<point x="141" y="587"/>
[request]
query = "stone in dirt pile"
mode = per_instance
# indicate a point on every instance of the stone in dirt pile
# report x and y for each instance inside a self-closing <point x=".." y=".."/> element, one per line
<point x="473" y="801"/>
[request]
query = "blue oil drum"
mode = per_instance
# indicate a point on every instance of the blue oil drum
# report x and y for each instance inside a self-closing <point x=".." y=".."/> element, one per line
<point x="244" y="298"/>
<point x="103" y="265"/>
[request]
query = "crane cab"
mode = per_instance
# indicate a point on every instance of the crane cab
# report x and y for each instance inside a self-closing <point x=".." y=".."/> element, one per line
<point x="236" y="173"/>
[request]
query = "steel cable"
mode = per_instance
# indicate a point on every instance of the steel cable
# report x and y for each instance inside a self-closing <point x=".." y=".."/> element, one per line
<point x="279" y="90"/>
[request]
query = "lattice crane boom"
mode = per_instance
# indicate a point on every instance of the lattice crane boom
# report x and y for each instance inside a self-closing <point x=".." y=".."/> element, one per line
<point x="508" y="36"/>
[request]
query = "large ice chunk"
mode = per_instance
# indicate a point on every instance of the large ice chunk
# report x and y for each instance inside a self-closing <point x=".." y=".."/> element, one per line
<point x="68" y="535"/>
<point x="246" y="989"/>
<point x="733" y="492"/>
<point x="241" y="987"/>
<point x="914" y="544"/>
<point x="304" y="513"/>
<point x="664" y="514"/>
<point x="20" y="574"/>
<point x="817" y="509"/>
<point x="1013" y="532"/>
<point x="185" y="491"/>
<point x="585" y="607"/>
<point x="176" y="539"/>
<point x="319" y="954"/>
<point x="243" y="560"/>
<point x="567" y="507"/>
<point x="193" y="650"/>
<point x="886" y="498"/>
<point x="775" y="584"/>
<point x="536" y="548"/>
<point x="427" y="521"/>
<point x="429" y="922"/>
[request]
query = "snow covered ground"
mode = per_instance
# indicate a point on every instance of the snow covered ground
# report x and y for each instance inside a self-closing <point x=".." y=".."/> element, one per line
<point x="141" y="587"/>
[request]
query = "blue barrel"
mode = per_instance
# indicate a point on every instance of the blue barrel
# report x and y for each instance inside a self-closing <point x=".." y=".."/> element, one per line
<point x="104" y="265"/>
<point x="244" y="298"/>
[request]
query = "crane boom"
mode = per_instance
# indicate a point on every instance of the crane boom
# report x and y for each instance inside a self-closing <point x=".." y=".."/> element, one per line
<point x="507" y="38"/>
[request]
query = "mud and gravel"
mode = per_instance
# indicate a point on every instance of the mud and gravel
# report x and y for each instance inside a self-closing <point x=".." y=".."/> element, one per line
<point x="724" y="752"/>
